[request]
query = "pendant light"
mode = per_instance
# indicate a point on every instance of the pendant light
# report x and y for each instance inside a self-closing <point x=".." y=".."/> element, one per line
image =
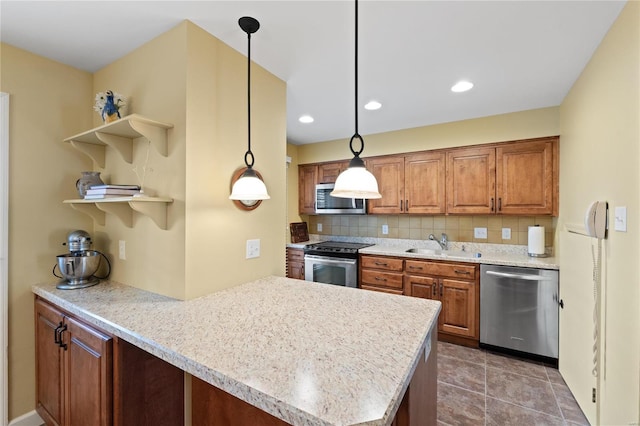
<point x="249" y="186"/>
<point x="356" y="181"/>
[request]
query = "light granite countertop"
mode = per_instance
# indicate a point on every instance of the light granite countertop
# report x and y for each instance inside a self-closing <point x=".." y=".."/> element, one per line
<point x="307" y="353"/>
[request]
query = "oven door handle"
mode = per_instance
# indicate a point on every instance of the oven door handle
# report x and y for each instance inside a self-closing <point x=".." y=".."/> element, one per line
<point x="527" y="277"/>
<point x="330" y="260"/>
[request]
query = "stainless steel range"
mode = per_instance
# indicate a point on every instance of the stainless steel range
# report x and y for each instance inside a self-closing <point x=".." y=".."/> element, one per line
<point x="332" y="262"/>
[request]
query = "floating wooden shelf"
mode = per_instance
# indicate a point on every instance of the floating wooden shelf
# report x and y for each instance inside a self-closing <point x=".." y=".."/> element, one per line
<point x="123" y="208"/>
<point x="120" y="135"/>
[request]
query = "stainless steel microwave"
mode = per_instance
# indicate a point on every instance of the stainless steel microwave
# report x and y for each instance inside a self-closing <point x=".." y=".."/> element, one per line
<point x="326" y="204"/>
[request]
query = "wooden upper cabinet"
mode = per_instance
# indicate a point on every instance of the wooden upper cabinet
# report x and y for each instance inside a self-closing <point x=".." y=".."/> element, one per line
<point x="389" y="172"/>
<point x="413" y="183"/>
<point x="307" y="178"/>
<point x="471" y="180"/>
<point x="525" y="178"/>
<point x="424" y="176"/>
<point x="328" y="172"/>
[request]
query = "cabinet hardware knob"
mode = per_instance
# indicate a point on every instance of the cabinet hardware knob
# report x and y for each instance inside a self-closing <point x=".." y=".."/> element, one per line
<point x="380" y="279"/>
<point x="400" y="205"/>
<point x="500" y="204"/>
<point x="415" y="267"/>
<point x="381" y="264"/>
<point x="492" y="204"/>
<point x="461" y="272"/>
<point x="440" y="288"/>
<point x="406" y="205"/>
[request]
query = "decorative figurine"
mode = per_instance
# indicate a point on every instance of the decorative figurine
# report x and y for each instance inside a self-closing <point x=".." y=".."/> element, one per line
<point x="110" y="109"/>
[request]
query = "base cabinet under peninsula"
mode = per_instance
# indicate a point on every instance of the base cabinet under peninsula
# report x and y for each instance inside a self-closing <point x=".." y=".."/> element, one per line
<point x="418" y="407"/>
<point x="84" y="376"/>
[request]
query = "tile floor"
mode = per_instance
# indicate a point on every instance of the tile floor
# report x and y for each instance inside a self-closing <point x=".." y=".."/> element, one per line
<point x="478" y="387"/>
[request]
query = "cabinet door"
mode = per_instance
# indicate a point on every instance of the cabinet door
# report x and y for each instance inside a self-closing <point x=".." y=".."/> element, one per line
<point x="49" y="390"/>
<point x="328" y="172"/>
<point x="424" y="287"/>
<point x="307" y="178"/>
<point x="389" y="172"/>
<point x="524" y="178"/>
<point x="459" y="313"/>
<point x="425" y="183"/>
<point x="471" y="180"/>
<point x="88" y="377"/>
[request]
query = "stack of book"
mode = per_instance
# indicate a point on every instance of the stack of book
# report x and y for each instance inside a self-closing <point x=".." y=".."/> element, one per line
<point x="97" y="192"/>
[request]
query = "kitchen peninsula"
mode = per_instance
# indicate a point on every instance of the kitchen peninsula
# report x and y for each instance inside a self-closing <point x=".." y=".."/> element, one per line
<point x="305" y="353"/>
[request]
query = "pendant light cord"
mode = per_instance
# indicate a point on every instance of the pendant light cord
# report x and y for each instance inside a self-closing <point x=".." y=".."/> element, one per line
<point x="356" y="135"/>
<point x="248" y="153"/>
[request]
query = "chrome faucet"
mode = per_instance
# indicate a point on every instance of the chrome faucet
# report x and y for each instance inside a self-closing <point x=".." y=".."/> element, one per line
<point x="444" y="243"/>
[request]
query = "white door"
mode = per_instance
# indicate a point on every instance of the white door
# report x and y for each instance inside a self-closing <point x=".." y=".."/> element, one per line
<point x="576" y="321"/>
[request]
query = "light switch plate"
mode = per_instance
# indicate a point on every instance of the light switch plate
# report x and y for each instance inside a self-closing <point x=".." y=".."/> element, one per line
<point x="253" y="249"/>
<point x="480" y="233"/>
<point x="122" y="247"/>
<point x="621" y="219"/>
<point x="506" y="233"/>
<point x="319" y="227"/>
<point x="385" y="229"/>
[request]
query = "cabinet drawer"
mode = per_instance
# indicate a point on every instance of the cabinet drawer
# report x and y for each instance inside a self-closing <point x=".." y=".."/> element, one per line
<point x="295" y="255"/>
<point x="382" y="289"/>
<point x="384" y="263"/>
<point x="441" y="269"/>
<point x="378" y="278"/>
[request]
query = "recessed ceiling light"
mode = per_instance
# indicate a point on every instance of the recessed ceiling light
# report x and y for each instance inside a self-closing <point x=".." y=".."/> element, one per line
<point x="462" y="86"/>
<point x="306" y="119"/>
<point x="373" y="105"/>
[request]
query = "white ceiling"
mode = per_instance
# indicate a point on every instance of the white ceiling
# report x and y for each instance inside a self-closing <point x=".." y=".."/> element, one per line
<point x="520" y="55"/>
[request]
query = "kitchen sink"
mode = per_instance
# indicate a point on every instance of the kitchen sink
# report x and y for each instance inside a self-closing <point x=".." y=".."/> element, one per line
<point x="443" y="253"/>
<point x="424" y="251"/>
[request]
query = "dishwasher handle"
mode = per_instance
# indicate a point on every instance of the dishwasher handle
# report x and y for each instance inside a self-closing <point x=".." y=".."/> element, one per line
<point x="527" y="277"/>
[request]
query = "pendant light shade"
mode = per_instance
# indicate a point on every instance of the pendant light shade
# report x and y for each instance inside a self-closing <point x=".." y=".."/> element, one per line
<point x="249" y="186"/>
<point x="356" y="181"/>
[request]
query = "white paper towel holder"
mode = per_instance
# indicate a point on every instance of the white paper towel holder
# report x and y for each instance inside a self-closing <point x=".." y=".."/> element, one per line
<point x="543" y="254"/>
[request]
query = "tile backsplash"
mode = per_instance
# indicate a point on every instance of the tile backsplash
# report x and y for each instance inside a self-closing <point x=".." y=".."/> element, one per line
<point x="457" y="228"/>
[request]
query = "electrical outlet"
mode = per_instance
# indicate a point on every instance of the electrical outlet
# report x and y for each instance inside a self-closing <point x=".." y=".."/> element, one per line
<point x="122" y="246"/>
<point x="319" y="227"/>
<point x="385" y="229"/>
<point x="253" y="249"/>
<point x="480" y="233"/>
<point x="506" y="233"/>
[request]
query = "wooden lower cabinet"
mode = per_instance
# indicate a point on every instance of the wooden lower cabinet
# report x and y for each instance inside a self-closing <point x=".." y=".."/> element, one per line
<point x="73" y="369"/>
<point x="295" y="263"/>
<point x="380" y="273"/>
<point x="86" y="377"/>
<point x="456" y="286"/>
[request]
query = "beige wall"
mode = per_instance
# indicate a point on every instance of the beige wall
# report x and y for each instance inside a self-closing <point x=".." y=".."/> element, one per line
<point x="48" y="102"/>
<point x="600" y="161"/>
<point x="155" y="88"/>
<point x="497" y="128"/>
<point x="184" y="77"/>
<point x="202" y="92"/>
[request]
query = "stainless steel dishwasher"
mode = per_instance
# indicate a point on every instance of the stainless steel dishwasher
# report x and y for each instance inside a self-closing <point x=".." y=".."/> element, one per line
<point x="519" y="309"/>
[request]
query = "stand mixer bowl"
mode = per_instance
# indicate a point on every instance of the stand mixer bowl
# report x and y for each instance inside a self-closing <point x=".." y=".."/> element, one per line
<point x="78" y="267"/>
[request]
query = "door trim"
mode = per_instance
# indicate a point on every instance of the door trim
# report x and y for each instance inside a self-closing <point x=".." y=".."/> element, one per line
<point x="4" y="251"/>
